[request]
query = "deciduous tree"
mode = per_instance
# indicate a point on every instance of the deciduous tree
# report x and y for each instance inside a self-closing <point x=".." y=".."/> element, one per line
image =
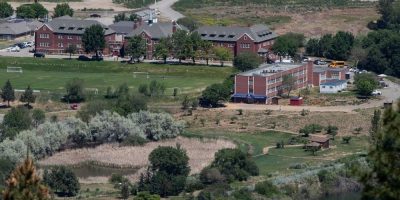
<point x="163" y="49"/>
<point x="62" y="10"/>
<point x="136" y="47"/>
<point x="62" y="181"/>
<point x="93" y="39"/>
<point x="71" y="49"/>
<point x="222" y="54"/>
<point x="6" y="10"/>
<point x="246" y="61"/>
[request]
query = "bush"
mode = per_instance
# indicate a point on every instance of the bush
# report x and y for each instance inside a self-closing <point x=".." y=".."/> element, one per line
<point x="128" y="104"/>
<point x="216" y="191"/>
<point x="193" y="184"/>
<point x="243" y="194"/>
<point x="365" y="84"/>
<point x="156" y="88"/>
<point x="134" y="140"/>
<point x="75" y="91"/>
<point x="246" y="61"/>
<point x="38" y="117"/>
<point x="213" y="94"/>
<point x="211" y="176"/>
<point x="16" y="120"/>
<point x="266" y="188"/>
<point x="62" y="180"/>
<point x="146" y="196"/>
<point x="234" y="164"/>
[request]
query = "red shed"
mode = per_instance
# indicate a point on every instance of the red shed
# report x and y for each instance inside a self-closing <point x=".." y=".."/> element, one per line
<point x="296" y="101"/>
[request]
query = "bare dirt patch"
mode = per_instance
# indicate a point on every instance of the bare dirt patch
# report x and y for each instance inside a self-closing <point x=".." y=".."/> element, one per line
<point x="200" y="152"/>
<point x="89" y="4"/>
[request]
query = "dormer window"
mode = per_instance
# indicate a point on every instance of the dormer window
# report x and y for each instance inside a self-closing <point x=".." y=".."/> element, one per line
<point x="212" y="35"/>
<point x="62" y="28"/>
<point x="70" y="28"/>
<point x="80" y="28"/>
<point x="203" y="35"/>
<point x="221" y="36"/>
<point x="231" y="36"/>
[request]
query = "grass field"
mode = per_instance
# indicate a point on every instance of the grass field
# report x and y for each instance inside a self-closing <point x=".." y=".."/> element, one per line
<point x="52" y="74"/>
<point x="280" y="160"/>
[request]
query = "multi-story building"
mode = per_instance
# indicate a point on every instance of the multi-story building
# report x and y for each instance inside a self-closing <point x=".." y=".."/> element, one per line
<point x="261" y="84"/>
<point x="55" y="36"/>
<point x="257" y="38"/>
<point x="152" y="33"/>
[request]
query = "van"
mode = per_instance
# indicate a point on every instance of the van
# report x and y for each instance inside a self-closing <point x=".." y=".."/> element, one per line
<point x="337" y="64"/>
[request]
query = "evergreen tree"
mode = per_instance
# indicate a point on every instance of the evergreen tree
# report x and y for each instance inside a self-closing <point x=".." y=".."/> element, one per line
<point x="8" y="93"/>
<point x="383" y="180"/>
<point x="375" y="125"/>
<point x="25" y="184"/>
<point x="28" y="97"/>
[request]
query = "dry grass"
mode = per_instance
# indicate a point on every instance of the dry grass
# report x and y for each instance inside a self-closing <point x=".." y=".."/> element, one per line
<point x="200" y="152"/>
<point x="254" y="121"/>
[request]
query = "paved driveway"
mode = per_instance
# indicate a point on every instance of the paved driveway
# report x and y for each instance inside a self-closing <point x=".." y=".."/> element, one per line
<point x="164" y="6"/>
<point x="390" y="94"/>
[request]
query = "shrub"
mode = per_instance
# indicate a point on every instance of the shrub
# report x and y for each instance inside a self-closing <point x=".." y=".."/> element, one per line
<point x="211" y="175"/>
<point x="243" y="194"/>
<point x="304" y="112"/>
<point x="38" y="117"/>
<point x="62" y="180"/>
<point x="134" y="140"/>
<point x="216" y="191"/>
<point x="16" y="120"/>
<point x="128" y="104"/>
<point x="266" y="188"/>
<point x="146" y="196"/>
<point x="234" y="164"/>
<point x="143" y="89"/>
<point x="117" y="179"/>
<point x="346" y="139"/>
<point x="75" y="91"/>
<point x="193" y="184"/>
<point x="156" y="88"/>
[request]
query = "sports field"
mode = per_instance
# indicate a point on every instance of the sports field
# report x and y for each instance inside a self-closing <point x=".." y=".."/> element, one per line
<point x="52" y="74"/>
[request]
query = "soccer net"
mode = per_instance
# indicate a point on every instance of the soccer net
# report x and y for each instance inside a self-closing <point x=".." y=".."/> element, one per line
<point x="93" y="90"/>
<point x="14" y="69"/>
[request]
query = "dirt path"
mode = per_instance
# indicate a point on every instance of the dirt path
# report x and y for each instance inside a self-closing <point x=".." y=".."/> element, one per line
<point x="390" y="94"/>
<point x="164" y="6"/>
<point x="94" y="4"/>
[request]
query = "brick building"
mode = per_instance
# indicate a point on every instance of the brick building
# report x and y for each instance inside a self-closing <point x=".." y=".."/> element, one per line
<point x="261" y="84"/>
<point x="257" y="38"/>
<point x="151" y="32"/>
<point x="55" y="36"/>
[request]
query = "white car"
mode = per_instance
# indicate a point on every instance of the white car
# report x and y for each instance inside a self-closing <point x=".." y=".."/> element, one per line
<point x="376" y="93"/>
<point x="29" y="44"/>
<point x="13" y="49"/>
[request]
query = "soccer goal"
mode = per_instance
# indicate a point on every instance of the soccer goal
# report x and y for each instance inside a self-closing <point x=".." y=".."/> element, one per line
<point x="14" y="69"/>
<point x="93" y="90"/>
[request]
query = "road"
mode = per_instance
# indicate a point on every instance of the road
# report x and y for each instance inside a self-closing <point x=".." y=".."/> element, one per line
<point x="390" y="94"/>
<point x="164" y="6"/>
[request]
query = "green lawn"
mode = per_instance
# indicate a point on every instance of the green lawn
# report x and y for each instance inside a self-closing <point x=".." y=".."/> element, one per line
<point x="279" y="160"/>
<point x="52" y="74"/>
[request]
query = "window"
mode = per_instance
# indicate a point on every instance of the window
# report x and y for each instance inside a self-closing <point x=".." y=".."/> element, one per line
<point x="323" y="86"/>
<point x="331" y="87"/>
<point x="212" y="35"/>
<point x="231" y="36"/>
<point x="60" y="45"/>
<point x="44" y="35"/>
<point x="78" y="37"/>
<point x="44" y="44"/>
<point x="60" y="37"/>
<point x="62" y="28"/>
<point x="70" y="28"/>
<point x="78" y="46"/>
<point x="245" y="37"/>
<point x="203" y="35"/>
<point x="245" y="46"/>
<point x="80" y="28"/>
<point x="231" y="45"/>
<point x="69" y="37"/>
<point x="221" y="36"/>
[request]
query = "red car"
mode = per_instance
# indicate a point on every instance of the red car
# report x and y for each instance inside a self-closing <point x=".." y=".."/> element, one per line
<point x="74" y="106"/>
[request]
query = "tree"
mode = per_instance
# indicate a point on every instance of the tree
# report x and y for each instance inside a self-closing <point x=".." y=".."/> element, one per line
<point x="169" y="168"/>
<point x="125" y="190"/>
<point x="288" y="83"/>
<point x="163" y="49"/>
<point x="193" y="44"/>
<point x="75" y="91"/>
<point x="28" y="97"/>
<point x="312" y="47"/>
<point x="38" y="117"/>
<point x="25" y="184"/>
<point x="136" y="47"/>
<point x="357" y="54"/>
<point x="7" y="93"/>
<point x="6" y="167"/>
<point x="189" y="23"/>
<point x="25" y="11"/>
<point x="92" y="108"/>
<point x="222" y="54"/>
<point x="93" y="39"/>
<point x="341" y="46"/>
<point x="390" y="14"/>
<point x="332" y="130"/>
<point x="365" y="83"/>
<point x="16" y="120"/>
<point x="287" y="45"/>
<point x="234" y="164"/>
<point x="40" y="10"/>
<point x="383" y="178"/>
<point x="179" y="39"/>
<point x="128" y="104"/>
<point x="6" y="10"/>
<point x="71" y="49"/>
<point x="62" y="10"/>
<point x="62" y="181"/>
<point x="205" y="50"/>
<point x="213" y="94"/>
<point x="124" y="17"/>
<point x="246" y="61"/>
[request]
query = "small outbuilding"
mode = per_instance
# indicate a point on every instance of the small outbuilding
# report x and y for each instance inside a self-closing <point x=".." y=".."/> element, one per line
<point x="333" y="87"/>
<point x="296" y="101"/>
<point x="323" y="141"/>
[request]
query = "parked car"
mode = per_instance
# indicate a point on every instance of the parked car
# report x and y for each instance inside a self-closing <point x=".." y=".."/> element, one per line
<point x="38" y="55"/>
<point x="97" y="58"/>
<point x="84" y="58"/>
<point x="376" y="93"/>
<point x="320" y="62"/>
<point x="20" y="45"/>
<point x="28" y="44"/>
<point x="13" y="49"/>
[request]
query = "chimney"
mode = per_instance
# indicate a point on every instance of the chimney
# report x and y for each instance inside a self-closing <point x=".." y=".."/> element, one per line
<point x="309" y="74"/>
<point x="173" y="26"/>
